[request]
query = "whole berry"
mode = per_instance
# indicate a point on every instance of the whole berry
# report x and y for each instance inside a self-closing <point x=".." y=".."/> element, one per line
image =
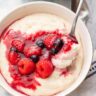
<point x="13" y="49"/>
<point x="54" y="51"/>
<point x="34" y="58"/>
<point x="49" y="40"/>
<point x="32" y="50"/>
<point x="44" y="68"/>
<point x="58" y="42"/>
<point x="18" y="44"/>
<point x="26" y="66"/>
<point x="66" y="47"/>
<point x="13" y="57"/>
<point x="40" y="43"/>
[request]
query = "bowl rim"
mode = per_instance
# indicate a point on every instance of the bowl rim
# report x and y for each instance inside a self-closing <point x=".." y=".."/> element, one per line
<point x="63" y="7"/>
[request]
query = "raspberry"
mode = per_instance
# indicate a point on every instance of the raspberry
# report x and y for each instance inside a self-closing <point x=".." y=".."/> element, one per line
<point x="14" y="57"/>
<point x="32" y="50"/>
<point x="67" y="47"/>
<point x="44" y="68"/>
<point x="18" y="44"/>
<point x="26" y="66"/>
<point x="49" y="40"/>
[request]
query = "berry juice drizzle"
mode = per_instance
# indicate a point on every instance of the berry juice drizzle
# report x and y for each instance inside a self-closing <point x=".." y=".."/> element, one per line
<point x="27" y="81"/>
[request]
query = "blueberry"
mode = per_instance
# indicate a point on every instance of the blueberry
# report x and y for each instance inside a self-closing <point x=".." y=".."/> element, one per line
<point x="53" y="51"/>
<point x="13" y="49"/>
<point x="34" y="58"/>
<point x="40" y="43"/>
<point x="58" y="42"/>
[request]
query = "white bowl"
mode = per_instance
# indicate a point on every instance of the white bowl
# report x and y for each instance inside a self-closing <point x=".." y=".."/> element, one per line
<point x="41" y="6"/>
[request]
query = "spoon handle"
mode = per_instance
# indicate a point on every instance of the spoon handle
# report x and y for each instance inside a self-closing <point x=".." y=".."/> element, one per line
<point x="76" y="17"/>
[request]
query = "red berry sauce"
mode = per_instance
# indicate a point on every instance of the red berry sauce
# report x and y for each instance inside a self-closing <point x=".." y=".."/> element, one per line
<point x="28" y="80"/>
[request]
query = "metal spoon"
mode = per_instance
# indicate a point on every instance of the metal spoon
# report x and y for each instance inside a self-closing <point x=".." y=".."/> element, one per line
<point x="76" y="18"/>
